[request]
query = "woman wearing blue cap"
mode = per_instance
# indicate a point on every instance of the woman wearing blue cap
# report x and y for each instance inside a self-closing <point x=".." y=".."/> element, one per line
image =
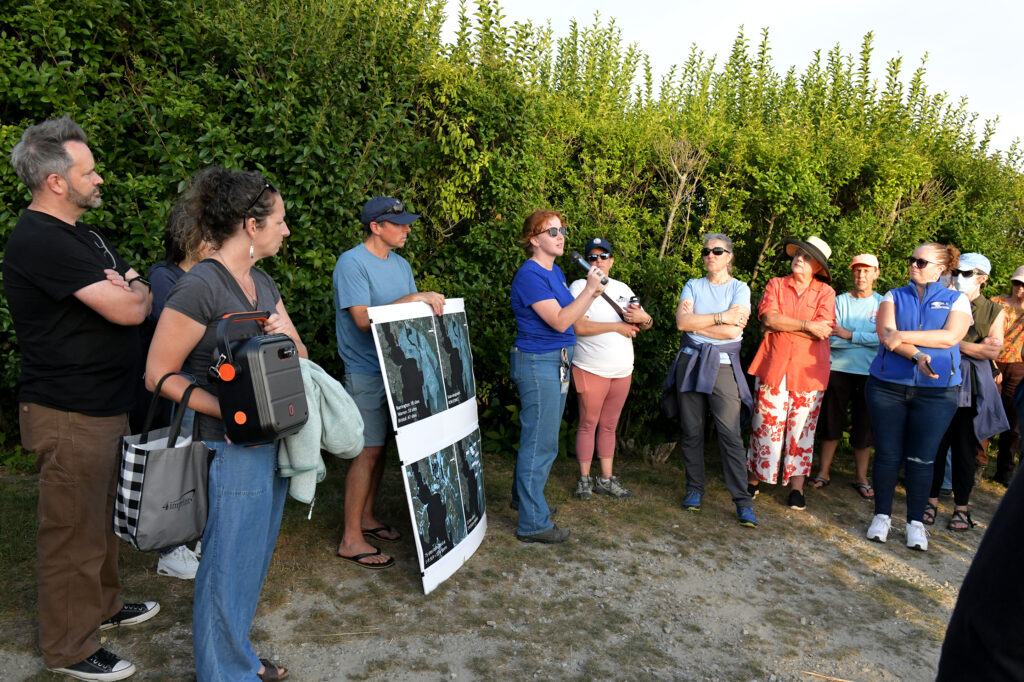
<point x="980" y="413"/>
<point x="602" y="370"/>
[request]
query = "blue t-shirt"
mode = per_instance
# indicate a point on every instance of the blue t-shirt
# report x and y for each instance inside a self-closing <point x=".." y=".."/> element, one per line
<point x="533" y="283"/>
<point x="361" y="278"/>
<point x="858" y="315"/>
<point x="711" y="298"/>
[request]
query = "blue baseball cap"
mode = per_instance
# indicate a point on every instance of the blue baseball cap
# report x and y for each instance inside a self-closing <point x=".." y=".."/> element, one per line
<point x="597" y="243"/>
<point x="379" y="209"/>
<point x="975" y="261"/>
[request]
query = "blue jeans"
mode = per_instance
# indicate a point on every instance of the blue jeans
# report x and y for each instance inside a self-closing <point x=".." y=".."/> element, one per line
<point x="541" y="402"/>
<point x="908" y="423"/>
<point x="246" y="502"/>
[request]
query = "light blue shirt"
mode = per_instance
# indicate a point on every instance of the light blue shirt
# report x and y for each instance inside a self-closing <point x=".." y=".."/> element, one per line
<point x="361" y="278"/>
<point x="857" y="315"/>
<point x="711" y="298"/>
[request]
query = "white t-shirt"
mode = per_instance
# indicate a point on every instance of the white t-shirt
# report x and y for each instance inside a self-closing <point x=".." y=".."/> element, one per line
<point x="608" y="355"/>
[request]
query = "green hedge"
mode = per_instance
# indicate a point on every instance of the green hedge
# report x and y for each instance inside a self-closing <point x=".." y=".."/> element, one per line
<point x="340" y="100"/>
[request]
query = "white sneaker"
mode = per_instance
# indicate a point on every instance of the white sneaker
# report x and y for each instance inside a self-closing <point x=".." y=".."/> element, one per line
<point x="181" y="563"/>
<point x="198" y="551"/>
<point x="879" y="528"/>
<point x="917" y="536"/>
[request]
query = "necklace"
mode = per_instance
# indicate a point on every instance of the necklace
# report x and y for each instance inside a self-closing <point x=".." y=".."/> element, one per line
<point x="253" y="298"/>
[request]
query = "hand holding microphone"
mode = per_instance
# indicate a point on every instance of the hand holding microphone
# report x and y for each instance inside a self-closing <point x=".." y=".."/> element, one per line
<point x="580" y="261"/>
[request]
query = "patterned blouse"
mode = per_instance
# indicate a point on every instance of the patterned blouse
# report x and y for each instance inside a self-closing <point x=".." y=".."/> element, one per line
<point x="1013" y="332"/>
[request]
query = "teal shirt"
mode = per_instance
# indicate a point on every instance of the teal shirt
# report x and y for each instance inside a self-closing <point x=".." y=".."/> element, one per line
<point x="858" y="315"/>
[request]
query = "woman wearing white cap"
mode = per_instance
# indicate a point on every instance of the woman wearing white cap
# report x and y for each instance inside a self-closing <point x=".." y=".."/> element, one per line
<point x="1011" y="365"/>
<point x="980" y="413"/>
<point x="798" y="312"/>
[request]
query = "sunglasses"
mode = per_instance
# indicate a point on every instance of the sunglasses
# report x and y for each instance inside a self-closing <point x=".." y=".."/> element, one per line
<point x="266" y="186"/>
<point x="964" y="273"/>
<point x="718" y="251"/>
<point x="594" y="256"/>
<point x="921" y="263"/>
<point x="555" y="231"/>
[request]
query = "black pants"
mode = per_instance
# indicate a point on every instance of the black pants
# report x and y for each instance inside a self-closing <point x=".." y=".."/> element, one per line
<point x="960" y="438"/>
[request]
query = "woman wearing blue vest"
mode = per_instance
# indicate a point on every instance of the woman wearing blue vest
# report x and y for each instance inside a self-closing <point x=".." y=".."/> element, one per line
<point x="912" y="390"/>
<point x="545" y="312"/>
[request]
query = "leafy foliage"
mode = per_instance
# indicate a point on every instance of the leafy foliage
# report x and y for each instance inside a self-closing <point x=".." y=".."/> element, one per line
<point x="340" y="100"/>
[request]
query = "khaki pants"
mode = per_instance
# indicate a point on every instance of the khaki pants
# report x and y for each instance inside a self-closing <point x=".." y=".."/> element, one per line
<point x="79" y="586"/>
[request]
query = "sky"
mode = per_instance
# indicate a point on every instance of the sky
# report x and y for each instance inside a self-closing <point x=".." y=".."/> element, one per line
<point x="974" y="49"/>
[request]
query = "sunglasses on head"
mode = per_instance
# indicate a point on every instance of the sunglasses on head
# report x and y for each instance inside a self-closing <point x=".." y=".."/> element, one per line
<point x="921" y="263"/>
<point x="718" y="251"/>
<point x="266" y="186"/>
<point x="555" y="231"/>
<point x="398" y="208"/>
<point x="964" y="273"/>
<point x="595" y="256"/>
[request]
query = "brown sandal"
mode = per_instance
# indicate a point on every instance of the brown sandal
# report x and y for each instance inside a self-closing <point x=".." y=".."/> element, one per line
<point x="960" y="521"/>
<point x="930" y="510"/>
<point x="272" y="671"/>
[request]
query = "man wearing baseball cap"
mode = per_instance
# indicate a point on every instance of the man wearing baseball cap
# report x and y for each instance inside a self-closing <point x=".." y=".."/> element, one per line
<point x="368" y="275"/>
<point x="853" y="345"/>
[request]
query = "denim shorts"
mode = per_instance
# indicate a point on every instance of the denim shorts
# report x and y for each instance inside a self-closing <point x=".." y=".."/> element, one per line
<point x="367" y="390"/>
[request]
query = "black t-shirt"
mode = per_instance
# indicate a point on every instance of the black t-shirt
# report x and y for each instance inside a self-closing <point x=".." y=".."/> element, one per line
<point x="72" y="358"/>
<point x="206" y="293"/>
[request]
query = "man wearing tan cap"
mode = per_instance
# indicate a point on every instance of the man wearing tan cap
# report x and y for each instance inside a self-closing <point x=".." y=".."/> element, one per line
<point x="853" y="346"/>
<point x="1011" y="365"/>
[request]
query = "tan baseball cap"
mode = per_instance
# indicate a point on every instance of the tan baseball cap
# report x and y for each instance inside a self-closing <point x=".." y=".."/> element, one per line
<point x="869" y="260"/>
<point x="1018" y="275"/>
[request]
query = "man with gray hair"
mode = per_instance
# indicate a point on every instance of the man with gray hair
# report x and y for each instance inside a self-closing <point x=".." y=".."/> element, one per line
<point x="76" y="305"/>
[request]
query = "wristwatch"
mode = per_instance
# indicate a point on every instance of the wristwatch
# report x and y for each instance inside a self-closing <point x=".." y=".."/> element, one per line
<point x="917" y="355"/>
<point x="140" y="278"/>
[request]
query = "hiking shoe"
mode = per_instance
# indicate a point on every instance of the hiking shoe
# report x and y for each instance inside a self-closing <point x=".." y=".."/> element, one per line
<point x="130" y="614"/>
<point x="917" y="536"/>
<point x="181" y="563"/>
<point x="879" y="528"/>
<point x="746" y="517"/>
<point x="796" y="500"/>
<point x="584" y="488"/>
<point x="753" y="490"/>
<point x="551" y="536"/>
<point x="102" y="665"/>
<point x="611" y="487"/>
<point x="692" y="501"/>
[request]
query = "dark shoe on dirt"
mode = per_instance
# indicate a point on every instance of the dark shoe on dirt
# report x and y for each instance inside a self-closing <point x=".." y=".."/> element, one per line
<point x="612" y="488"/>
<point x="131" y="614"/>
<point x="551" y="536"/>
<point x="101" y="666"/>
<point x="796" y="500"/>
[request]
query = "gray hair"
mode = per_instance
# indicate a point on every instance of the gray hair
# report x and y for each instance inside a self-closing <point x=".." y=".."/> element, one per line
<point x="41" y="152"/>
<point x="724" y="238"/>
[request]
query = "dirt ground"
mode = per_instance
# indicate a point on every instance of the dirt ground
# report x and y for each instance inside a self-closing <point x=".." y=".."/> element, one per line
<point x="643" y="590"/>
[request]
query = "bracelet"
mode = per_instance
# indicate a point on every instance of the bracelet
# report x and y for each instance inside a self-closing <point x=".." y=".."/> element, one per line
<point x="803" y="325"/>
<point x="648" y="324"/>
<point x="717" y="318"/>
<point x="139" y="278"/>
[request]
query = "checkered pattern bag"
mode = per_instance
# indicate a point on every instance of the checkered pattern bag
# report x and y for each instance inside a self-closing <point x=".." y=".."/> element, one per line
<point x="162" y="484"/>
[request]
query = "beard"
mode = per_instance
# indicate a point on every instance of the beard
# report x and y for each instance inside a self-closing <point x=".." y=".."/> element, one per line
<point x="84" y="201"/>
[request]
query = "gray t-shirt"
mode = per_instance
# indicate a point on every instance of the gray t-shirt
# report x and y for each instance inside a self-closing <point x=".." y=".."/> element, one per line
<point x="202" y="295"/>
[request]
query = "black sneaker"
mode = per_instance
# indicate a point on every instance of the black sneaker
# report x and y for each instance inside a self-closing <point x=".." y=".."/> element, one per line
<point x="752" y="489"/>
<point x="796" y="500"/>
<point x="131" y="614"/>
<point x="102" y="665"/>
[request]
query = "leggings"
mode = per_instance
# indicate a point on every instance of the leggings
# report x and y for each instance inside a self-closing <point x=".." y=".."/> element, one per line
<point x="601" y="401"/>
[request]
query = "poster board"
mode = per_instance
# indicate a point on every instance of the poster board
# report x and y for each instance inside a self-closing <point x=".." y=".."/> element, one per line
<point x="427" y="365"/>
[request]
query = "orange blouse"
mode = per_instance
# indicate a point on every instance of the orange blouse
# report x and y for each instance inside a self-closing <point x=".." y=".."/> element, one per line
<point x="1013" y="332"/>
<point x="803" y="361"/>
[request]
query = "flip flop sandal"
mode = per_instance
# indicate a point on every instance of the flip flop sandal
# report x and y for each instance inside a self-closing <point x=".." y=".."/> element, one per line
<point x="272" y="671"/>
<point x="865" y="490"/>
<point x="377" y="533"/>
<point x="930" y="510"/>
<point x="357" y="559"/>
<point x="819" y="482"/>
<point x="961" y="521"/>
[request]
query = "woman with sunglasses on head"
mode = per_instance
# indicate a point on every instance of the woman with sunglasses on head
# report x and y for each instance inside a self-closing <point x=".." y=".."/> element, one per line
<point x="242" y="216"/>
<point x="980" y="414"/>
<point x="602" y="370"/>
<point x="1011" y="365"/>
<point x="706" y="373"/>
<point x="912" y="390"/>
<point x="797" y="313"/>
<point x="545" y="312"/>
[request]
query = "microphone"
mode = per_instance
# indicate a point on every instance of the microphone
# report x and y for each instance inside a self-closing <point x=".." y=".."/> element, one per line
<point x="580" y="261"/>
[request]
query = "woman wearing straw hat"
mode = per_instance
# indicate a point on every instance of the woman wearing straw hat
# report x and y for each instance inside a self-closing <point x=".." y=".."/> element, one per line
<point x="1011" y="365"/>
<point x="792" y="367"/>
